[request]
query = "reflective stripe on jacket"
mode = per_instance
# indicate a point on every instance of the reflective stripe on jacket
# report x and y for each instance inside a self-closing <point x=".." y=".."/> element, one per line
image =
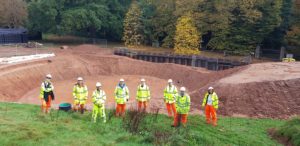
<point x="143" y="93"/>
<point x="170" y="93"/>
<point x="46" y="87"/>
<point x="80" y="93"/>
<point x="121" y="94"/>
<point x="99" y="97"/>
<point x="183" y="104"/>
<point x="215" y="100"/>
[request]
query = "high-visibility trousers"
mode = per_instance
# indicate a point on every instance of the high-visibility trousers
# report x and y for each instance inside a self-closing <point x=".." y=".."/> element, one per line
<point x="46" y="104"/>
<point x="120" y="109"/>
<point x="211" y="115"/>
<point x="171" y="108"/>
<point x="79" y="102"/>
<point x="142" y="105"/>
<point x="180" y="118"/>
<point x="99" y="110"/>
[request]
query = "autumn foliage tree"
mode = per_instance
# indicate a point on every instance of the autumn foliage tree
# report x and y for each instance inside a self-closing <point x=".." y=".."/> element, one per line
<point x="133" y="26"/>
<point x="13" y="13"/>
<point x="187" y="37"/>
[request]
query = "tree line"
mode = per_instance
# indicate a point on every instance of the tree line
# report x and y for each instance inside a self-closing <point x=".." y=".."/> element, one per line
<point x="237" y="26"/>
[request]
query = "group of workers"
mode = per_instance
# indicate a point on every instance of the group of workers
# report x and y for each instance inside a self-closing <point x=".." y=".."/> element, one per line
<point x="177" y="104"/>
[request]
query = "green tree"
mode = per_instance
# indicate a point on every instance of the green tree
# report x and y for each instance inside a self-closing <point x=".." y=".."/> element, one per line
<point x="164" y="22"/>
<point x="89" y="19"/>
<point x="43" y="16"/>
<point x="118" y="9"/>
<point x="187" y="36"/>
<point x="214" y="22"/>
<point x="292" y="38"/>
<point x="92" y="18"/>
<point x="133" y="26"/>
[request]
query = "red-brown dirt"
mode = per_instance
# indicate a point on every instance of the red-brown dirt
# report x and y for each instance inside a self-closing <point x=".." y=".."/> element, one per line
<point x="261" y="90"/>
<point x="278" y="98"/>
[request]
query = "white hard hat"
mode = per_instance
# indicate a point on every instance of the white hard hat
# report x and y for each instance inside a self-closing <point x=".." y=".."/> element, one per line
<point x="122" y="80"/>
<point x="210" y="88"/>
<point x="170" y="81"/>
<point x="182" y="89"/>
<point x="79" y="79"/>
<point x="98" y="84"/>
<point x="143" y="80"/>
<point x="48" y="76"/>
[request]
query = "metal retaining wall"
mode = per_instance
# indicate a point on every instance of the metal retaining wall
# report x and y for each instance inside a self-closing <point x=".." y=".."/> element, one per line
<point x="195" y="61"/>
<point x="13" y="38"/>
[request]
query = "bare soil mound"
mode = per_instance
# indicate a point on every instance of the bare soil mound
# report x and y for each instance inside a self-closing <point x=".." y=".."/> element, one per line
<point x="261" y="90"/>
<point x="258" y="90"/>
<point x="265" y="72"/>
<point x="21" y="81"/>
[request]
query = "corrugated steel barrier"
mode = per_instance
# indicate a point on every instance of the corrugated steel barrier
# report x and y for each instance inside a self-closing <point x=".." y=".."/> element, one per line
<point x="195" y="61"/>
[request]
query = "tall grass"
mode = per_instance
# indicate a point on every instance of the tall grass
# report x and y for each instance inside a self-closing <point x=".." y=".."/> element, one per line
<point x="25" y="125"/>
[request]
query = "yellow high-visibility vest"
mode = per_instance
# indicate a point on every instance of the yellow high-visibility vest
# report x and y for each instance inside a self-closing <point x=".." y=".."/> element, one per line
<point x="215" y="100"/>
<point x="80" y="93"/>
<point x="183" y="104"/>
<point x="170" y="93"/>
<point x="121" y="94"/>
<point x="143" y="93"/>
<point x="46" y="87"/>
<point x="98" y="97"/>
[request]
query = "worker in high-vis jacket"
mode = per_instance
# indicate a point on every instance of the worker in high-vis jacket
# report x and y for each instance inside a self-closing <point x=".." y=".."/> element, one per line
<point x="80" y="94"/>
<point x="46" y="94"/>
<point x="142" y="95"/>
<point x="169" y="97"/>
<point x="98" y="99"/>
<point x="183" y="104"/>
<point x="121" y="97"/>
<point x="210" y="103"/>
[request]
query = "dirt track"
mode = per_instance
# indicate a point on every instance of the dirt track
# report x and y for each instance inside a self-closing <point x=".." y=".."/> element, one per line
<point x="258" y="90"/>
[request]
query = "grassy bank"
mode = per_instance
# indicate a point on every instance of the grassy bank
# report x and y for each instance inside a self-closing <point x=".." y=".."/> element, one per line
<point x="289" y="133"/>
<point x="25" y="125"/>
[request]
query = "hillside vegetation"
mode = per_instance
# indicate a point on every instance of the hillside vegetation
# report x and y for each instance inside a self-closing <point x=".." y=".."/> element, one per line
<point x="25" y="125"/>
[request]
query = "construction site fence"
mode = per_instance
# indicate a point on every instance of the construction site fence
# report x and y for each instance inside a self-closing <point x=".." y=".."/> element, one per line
<point x="214" y="64"/>
<point x="13" y="38"/>
<point x="11" y="50"/>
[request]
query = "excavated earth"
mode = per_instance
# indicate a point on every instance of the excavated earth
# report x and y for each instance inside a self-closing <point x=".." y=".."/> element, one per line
<point x="257" y="90"/>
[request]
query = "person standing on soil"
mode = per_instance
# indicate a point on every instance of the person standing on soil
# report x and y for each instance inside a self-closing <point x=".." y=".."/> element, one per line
<point x="169" y="98"/>
<point x="99" y="98"/>
<point x="183" y="104"/>
<point x="80" y="94"/>
<point x="142" y="95"/>
<point x="46" y="94"/>
<point x="210" y="103"/>
<point x="121" y="97"/>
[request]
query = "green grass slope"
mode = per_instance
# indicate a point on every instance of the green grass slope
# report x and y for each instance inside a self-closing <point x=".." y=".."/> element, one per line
<point x="25" y="125"/>
<point x="289" y="133"/>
